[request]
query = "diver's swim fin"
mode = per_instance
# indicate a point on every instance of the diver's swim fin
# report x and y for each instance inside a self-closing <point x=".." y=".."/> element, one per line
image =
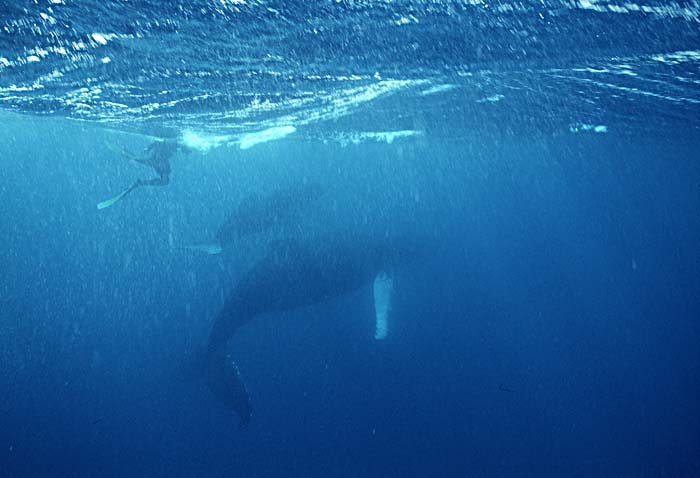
<point x="118" y="197"/>
<point x="211" y="249"/>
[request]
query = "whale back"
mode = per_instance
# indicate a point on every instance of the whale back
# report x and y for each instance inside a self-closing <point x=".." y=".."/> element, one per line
<point x="257" y="213"/>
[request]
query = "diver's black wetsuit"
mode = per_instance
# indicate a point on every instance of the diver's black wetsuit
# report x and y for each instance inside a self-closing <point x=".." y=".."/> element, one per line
<point x="158" y="156"/>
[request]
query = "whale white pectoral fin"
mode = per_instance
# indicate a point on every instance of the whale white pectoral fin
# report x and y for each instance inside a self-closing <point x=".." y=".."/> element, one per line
<point x="211" y="249"/>
<point x="383" y="291"/>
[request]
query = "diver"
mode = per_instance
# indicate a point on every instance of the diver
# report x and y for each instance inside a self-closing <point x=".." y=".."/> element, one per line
<point x="156" y="156"/>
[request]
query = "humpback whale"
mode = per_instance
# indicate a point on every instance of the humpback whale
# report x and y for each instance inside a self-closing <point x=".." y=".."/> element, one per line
<point x="295" y="274"/>
<point x="258" y="213"/>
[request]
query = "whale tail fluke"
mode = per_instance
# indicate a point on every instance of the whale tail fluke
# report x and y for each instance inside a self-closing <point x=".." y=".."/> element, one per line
<point x="222" y="373"/>
<point x="209" y="249"/>
<point x="225" y="382"/>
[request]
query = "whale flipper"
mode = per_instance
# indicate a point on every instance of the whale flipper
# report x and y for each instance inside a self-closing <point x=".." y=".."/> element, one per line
<point x="211" y="249"/>
<point x="383" y="291"/>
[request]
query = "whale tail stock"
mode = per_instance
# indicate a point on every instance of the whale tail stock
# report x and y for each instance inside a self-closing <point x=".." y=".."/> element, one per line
<point x="224" y="380"/>
<point x="222" y="374"/>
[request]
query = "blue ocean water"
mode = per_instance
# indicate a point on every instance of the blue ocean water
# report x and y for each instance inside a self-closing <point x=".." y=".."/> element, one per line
<point x="544" y="156"/>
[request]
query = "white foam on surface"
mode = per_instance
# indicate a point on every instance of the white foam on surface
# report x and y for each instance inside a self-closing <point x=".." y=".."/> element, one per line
<point x="491" y="99"/>
<point x="203" y="142"/>
<point x="320" y="107"/>
<point x="677" y="57"/>
<point x="270" y="134"/>
<point x="388" y="137"/>
<point x="585" y="127"/>
<point x="406" y="20"/>
<point x="438" y="89"/>
<point x="668" y="10"/>
<point x="99" y="38"/>
<point x="627" y="89"/>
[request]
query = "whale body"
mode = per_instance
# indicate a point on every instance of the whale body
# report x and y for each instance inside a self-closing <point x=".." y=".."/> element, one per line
<point x="259" y="213"/>
<point x="292" y="275"/>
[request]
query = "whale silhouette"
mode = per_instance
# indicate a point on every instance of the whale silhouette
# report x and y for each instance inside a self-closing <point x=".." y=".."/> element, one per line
<point x="293" y="274"/>
<point x="259" y="213"/>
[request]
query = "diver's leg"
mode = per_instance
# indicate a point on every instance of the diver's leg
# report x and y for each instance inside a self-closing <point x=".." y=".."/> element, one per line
<point x="163" y="180"/>
<point x="160" y="181"/>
